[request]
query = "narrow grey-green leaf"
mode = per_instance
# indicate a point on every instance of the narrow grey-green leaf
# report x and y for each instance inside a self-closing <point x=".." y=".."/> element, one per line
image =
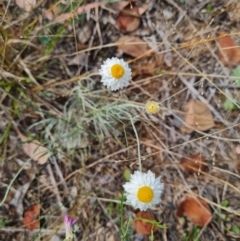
<point x="236" y="73"/>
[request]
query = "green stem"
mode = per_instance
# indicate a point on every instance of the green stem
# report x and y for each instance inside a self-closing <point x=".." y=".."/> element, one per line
<point x="138" y="143"/>
<point x="11" y="183"/>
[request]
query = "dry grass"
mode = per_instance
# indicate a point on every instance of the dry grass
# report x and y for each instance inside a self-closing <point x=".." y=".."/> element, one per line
<point x="49" y="87"/>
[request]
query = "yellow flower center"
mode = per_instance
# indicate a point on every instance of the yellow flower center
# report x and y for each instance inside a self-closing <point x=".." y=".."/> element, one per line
<point x="117" y="71"/>
<point x="145" y="194"/>
<point x="152" y="107"/>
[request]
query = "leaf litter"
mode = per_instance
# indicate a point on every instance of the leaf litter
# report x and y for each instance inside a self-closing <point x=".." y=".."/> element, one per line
<point x="103" y="162"/>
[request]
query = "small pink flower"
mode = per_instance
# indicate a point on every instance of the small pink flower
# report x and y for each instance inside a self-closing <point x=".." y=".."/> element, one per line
<point x="69" y="223"/>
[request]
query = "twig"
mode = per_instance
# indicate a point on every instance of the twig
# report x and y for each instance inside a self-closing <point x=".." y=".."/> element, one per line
<point x="62" y="180"/>
<point x="55" y="189"/>
<point x="42" y="230"/>
<point x="12" y="181"/>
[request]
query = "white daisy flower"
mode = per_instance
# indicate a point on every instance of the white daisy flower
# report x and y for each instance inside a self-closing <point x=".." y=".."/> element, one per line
<point x="115" y="73"/>
<point x="143" y="190"/>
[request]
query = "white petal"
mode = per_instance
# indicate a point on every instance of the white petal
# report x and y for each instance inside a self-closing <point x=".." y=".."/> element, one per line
<point x="108" y="80"/>
<point x="139" y="179"/>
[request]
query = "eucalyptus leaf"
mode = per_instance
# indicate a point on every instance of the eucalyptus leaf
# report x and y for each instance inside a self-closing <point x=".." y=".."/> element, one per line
<point x="236" y="73"/>
<point x="236" y="229"/>
<point x="229" y="104"/>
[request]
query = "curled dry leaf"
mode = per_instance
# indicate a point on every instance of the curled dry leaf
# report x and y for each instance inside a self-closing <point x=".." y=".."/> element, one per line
<point x="129" y="18"/>
<point x="144" y="227"/>
<point x="30" y="216"/>
<point x="27" y="5"/>
<point x="196" y="210"/>
<point x="132" y="46"/>
<point x="193" y="164"/>
<point x="35" y="150"/>
<point x="198" y="116"/>
<point x="229" y="52"/>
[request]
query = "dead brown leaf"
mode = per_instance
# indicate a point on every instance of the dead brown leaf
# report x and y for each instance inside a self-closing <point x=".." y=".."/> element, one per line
<point x="30" y="216"/>
<point x="129" y="18"/>
<point x="132" y="46"/>
<point x="144" y="227"/>
<point x="196" y="210"/>
<point x="193" y="164"/>
<point x="27" y="5"/>
<point x="198" y="116"/>
<point x="229" y="52"/>
<point x="35" y="150"/>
